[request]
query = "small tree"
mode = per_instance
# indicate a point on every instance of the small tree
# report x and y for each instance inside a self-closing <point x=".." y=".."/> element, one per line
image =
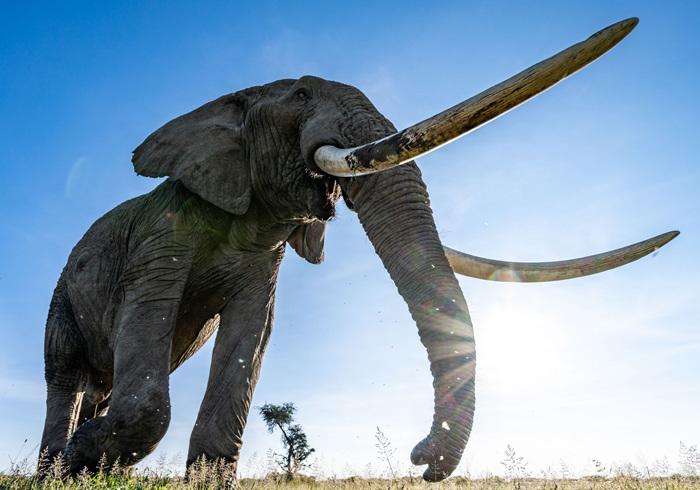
<point x="293" y="437"/>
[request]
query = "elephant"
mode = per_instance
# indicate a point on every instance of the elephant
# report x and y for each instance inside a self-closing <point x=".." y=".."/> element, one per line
<point x="153" y="279"/>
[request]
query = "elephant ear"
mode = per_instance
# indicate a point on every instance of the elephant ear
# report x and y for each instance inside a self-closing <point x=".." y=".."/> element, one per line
<point x="204" y="150"/>
<point x="308" y="239"/>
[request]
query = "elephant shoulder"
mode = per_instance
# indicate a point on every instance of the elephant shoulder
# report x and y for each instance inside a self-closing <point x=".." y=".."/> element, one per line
<point x="173" y="212"/>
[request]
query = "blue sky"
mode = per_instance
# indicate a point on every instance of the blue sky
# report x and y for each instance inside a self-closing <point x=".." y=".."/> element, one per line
<point x="602" y="367"/>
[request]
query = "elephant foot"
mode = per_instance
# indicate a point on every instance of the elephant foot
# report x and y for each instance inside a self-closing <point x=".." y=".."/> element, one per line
<point x="86" y="447"/>
<point x="94" y="446"/>
<point x="439" y="458"/>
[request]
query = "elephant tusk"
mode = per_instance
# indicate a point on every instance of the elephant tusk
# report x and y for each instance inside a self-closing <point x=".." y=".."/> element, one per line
<point x="419" y="139"/>
<point x="496" y="270"/>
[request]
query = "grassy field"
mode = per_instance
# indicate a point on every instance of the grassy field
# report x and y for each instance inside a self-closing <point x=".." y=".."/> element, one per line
<point x="217" y="474"/>
<point x="155" y="482"/>
<point x="214" y="475"/>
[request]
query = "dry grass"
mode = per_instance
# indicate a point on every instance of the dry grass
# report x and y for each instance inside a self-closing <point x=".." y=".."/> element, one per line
<point x="155" y="482"/>
<point x="217" y="474"/>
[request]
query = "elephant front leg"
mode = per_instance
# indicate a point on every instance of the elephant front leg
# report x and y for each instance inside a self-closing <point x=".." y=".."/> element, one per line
<point x="139" y="404"/>
<point x="240" y="344"/>
<point x="139" y="409"/>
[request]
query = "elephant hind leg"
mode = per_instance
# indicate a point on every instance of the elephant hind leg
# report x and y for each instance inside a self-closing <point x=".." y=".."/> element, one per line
<point x="66" y="374"/>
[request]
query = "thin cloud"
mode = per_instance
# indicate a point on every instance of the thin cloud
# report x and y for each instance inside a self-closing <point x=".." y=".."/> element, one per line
<point x="74" y="176"/>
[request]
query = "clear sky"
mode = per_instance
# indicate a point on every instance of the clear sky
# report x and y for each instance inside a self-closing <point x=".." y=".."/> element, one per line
<point x="602" y="367"/>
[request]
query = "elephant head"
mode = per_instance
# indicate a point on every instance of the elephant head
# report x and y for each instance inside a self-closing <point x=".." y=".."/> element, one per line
<point x="292" y="147"/>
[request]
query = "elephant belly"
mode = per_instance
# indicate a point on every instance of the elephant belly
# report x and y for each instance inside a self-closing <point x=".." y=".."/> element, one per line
<point x="189" y="338"/>
<point x="198" y="319"/>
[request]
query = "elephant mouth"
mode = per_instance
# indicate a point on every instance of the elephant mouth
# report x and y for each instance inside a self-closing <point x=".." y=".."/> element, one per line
<point x="326" y="187"/>
<point x="326" y="194"/>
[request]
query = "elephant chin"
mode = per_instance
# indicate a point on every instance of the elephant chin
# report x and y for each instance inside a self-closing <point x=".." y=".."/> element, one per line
<point x="394" y="210"/>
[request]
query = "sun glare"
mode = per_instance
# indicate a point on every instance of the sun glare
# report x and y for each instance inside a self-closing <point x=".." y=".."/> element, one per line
<point x="522" y="347"/>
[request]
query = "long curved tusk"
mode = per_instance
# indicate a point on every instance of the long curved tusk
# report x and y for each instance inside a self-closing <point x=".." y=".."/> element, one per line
<point x="421" y="138"/>
<point x="496" y="270"/>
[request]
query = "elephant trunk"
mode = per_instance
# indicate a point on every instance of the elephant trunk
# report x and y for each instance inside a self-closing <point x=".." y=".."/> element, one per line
<point x="394" y="210"/>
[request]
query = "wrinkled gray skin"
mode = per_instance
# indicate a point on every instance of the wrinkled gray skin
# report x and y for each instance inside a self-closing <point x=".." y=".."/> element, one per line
<point x="153" y="279"/>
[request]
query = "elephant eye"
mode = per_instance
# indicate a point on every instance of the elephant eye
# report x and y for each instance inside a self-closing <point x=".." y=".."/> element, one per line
<point x="302" y="94"/>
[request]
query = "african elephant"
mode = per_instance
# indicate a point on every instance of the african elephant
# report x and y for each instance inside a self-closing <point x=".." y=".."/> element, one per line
<point x="153" y="278"/>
